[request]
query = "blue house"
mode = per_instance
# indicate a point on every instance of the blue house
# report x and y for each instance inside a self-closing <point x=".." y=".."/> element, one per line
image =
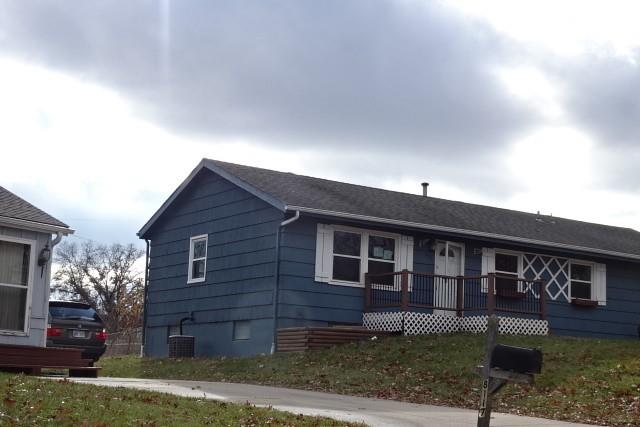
<point x="247" y="251"/>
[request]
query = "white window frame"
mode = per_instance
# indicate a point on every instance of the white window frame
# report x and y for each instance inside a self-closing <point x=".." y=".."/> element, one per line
<point x="192" y="240"/>
<point x="32" y="262"/>
<point x="520" y="272"/>
<point x="364" y="252"/>
<point x="492" y="268"/>
<point x="519" y="255"/>
<point x="591" y="282"/>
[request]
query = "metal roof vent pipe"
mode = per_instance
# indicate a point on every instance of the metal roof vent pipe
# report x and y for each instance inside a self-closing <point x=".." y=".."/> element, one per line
<point x="425" y="187"/>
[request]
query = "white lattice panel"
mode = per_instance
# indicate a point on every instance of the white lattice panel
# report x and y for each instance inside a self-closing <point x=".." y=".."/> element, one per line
<point x="557" y="272"/>
<point x="474" y="324"/>
<point x="413" y="323"/>
<point x="381" y="321"/>
<point x="423" y="323"/>
<point x="521" y="326"/>
<point x="507" y="326"/>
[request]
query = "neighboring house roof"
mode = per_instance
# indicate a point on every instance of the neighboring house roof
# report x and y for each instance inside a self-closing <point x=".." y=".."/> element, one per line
<point x="292" y="192"/>
<point x="17" y="211"/>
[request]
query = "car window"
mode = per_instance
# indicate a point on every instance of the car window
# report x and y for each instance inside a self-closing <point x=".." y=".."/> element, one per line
<point x="74" y="313"/>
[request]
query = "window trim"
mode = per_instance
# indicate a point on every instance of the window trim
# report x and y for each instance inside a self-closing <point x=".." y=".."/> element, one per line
<point x="32" y="260"/>
<point x="520" y="272"/>
<point x="519" y="255"/>
<point x="364" y="249"/>
<point x="193" y="239"/>
<point x="591" y="282"/>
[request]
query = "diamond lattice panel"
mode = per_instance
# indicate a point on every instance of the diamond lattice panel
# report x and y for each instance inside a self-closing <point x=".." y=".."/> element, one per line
<point x="554" y="271"/>
<point x="411" y="323"/>
<point x="519" y="326"/>
<point x="508" y="325"/>
<point x="389" y="322"/>
<point x="423" y="323"/>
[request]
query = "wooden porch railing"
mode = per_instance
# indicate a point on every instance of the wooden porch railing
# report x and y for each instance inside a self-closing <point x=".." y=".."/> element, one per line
<point x="406" y="290"/>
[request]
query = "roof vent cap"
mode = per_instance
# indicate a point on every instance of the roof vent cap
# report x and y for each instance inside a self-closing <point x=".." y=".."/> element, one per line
<point x="425" y="186"/>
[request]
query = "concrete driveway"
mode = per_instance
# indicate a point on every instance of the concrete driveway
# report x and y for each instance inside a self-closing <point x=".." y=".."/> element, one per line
<point x="373" y="412"/>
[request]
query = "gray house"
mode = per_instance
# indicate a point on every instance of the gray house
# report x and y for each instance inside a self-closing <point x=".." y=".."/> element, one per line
<point x="26" y="244"/>
<point x="249" y="250"/>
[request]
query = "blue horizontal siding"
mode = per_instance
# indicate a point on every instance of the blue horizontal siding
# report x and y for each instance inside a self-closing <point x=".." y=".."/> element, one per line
<point x="222" y="314"/>
<point x="203" y="304"/>
<point x="182" y="292"/>
<point x="216" y="338"/>
<point x="240" y="268"/>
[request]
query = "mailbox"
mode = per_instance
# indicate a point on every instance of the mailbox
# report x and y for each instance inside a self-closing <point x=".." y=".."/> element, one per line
<point x="517" y="359"/>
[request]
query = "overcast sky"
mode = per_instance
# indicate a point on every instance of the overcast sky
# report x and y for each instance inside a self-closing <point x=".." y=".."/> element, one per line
<point x="535" y="106"/>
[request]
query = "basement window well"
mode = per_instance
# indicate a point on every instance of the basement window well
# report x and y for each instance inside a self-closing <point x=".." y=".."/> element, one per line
<point x="241" y="330"/>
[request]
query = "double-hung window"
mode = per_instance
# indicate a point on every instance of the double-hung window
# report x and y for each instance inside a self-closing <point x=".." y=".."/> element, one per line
<point x="581" y="280"/>
<point x="16" y="262"/>
<point x="382" y="258"/>
<point x="345" y="254"/>
<point x="357" y="253"/>
<point x="507" y="269"/>
<point x="197" y="259"/>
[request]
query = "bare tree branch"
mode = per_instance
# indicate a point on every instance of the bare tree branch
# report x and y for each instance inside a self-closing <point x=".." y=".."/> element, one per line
<point x="104" y="277"/>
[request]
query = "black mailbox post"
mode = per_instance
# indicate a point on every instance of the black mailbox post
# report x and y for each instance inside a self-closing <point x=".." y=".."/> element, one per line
<point x="504" y="363"/>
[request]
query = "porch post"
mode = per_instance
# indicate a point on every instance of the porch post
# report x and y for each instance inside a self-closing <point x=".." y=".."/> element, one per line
<point x="459" y="295"/>
<point x="491" y="293"/>
<point x="404" y="304"/>
<point x="543" y="297"/>
<point x="367" y="293"/>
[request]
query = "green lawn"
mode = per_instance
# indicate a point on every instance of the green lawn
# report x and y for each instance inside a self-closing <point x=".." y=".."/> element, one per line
<point x="29" y="401"/>
<point x="590" y="381"/>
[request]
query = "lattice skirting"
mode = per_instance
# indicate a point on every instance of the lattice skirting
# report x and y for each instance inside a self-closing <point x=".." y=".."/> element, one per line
<point x="389" y="322"/>
<point x="413" y="323"/>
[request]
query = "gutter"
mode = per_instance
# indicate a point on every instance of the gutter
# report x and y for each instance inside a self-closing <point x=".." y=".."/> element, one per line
<point x="276" y="286"/>
<point x="36" y="226"/>
<point x="430" y="227"/>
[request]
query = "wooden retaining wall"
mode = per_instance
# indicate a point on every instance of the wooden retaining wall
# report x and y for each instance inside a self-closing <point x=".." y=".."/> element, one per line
<point x="31" y="360"/>
<point x="305" y="338"/>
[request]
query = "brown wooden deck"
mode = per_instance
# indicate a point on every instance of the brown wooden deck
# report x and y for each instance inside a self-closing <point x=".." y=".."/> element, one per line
<point x="31" y="360"/>
<point x="305" y="338"/>
<point x="492" y="293"/>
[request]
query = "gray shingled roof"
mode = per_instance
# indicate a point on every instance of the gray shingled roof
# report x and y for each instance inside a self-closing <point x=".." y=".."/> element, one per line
<point x="303" y="191"/>
<point x="12" y="206"/>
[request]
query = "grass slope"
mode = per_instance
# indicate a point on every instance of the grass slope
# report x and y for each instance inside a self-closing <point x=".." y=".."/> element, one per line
<point x="28" y="401"/>
<point x="583" y="380"/>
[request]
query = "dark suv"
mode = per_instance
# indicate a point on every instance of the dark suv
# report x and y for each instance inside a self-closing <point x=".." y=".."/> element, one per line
<point x="76" y="325"/>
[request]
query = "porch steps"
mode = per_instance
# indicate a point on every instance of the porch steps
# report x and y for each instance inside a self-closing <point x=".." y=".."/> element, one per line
<point x="307" y="337"/>
<point x="31" y="360"/>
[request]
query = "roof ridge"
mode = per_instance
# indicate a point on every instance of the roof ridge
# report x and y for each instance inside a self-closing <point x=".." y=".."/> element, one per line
<point x="418" y="196"/>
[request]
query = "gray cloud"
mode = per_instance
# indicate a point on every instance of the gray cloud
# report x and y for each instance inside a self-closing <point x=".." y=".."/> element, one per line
<point x="601" y="93"/>
<point x="413" y="77"/>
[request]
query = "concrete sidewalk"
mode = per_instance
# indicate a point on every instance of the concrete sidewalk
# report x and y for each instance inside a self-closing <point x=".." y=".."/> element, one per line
<point x="373" y="412"/>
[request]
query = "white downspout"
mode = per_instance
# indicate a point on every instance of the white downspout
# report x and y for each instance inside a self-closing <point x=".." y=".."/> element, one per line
<point x="276" y="287"/>
<point x="54" y="242"/>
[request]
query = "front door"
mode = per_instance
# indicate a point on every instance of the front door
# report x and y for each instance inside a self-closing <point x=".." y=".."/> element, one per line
<point x="449" y="261"/>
